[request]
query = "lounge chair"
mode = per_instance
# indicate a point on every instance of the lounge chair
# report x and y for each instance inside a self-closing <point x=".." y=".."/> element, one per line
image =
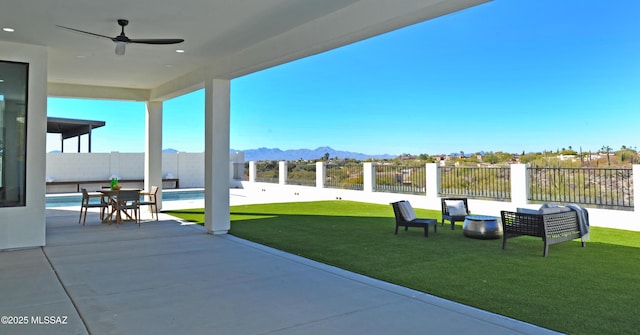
<point x="406" y="217"/>
<point x="454" y="210"/>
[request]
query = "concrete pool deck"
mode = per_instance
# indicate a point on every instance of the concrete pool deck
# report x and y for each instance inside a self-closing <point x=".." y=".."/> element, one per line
<point x="169" y="277"/>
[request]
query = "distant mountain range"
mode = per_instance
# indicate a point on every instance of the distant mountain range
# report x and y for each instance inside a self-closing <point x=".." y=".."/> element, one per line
<point x="275" y="154"/>
<point x="261" y="154"/>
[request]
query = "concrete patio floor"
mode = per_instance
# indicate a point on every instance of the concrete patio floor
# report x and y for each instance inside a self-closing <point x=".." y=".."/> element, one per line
<point x="167" y="277"/>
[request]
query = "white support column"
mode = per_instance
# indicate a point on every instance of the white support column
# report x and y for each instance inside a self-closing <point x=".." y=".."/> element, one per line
<point x="216" y="156"/>
<point x="369" y="178"/>
<point x="153" y="148"/>
<point x="433" y="181"/>
<point x="519" y="185"/>
<point x="282" y="172"/>
<point x="321" y="174"/>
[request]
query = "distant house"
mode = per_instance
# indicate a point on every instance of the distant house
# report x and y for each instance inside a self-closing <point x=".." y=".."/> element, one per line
<point x="567" y="157"/>
<point x="407" y="157"/>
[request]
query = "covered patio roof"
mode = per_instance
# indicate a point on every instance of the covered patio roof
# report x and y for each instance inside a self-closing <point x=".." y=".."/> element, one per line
<point x="222" y="39"/>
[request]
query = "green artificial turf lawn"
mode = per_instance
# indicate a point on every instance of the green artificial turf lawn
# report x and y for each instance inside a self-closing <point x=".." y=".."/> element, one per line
<point x="592" y="290"/>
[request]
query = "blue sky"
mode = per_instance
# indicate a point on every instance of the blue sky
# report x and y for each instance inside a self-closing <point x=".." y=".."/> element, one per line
<point x="508" y="76"/>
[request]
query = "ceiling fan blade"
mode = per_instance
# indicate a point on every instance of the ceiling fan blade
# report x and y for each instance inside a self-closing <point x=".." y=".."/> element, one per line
<point x="86" y="32"/>
<point x="157" y="41"/>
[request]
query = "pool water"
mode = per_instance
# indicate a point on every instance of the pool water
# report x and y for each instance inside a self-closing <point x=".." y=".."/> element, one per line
<point x="74" y="200"/>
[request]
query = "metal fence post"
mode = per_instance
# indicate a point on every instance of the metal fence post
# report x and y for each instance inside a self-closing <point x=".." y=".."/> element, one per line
<point x="369" y="181"/>
<point x="282" y="174"/>
<point x="321" y="174"/>
<point x="433" y="181"/>
<point x="636" y="187"/>
<point x="519" y="184"/>
<point x="252" y="171"/>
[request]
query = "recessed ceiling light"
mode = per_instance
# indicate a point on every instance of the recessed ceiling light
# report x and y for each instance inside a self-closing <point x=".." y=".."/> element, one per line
<point x="9" y="30"/>
<point x="168" y="65"/>
<point x="179" y="51"/>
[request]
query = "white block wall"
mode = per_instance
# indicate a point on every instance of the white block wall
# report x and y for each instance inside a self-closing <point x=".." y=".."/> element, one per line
<point x="78" y="166"/>
<point x="188" y="167"/>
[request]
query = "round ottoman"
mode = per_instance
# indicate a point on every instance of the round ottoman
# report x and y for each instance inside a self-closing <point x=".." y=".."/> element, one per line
<point x="482" y="227"/>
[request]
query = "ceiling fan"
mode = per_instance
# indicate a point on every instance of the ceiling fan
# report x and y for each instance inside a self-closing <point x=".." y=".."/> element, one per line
<point x="122" y="40"/>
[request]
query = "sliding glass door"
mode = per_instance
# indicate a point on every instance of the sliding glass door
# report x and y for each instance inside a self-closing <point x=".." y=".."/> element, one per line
<point x="13" y="133"/>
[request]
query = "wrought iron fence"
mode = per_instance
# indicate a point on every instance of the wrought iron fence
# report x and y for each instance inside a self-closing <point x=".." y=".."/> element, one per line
<point x="476" y="182"/>
<point x="267" y="172"/>
<point x="348" y="176"/>
<point x="301" y="174"/>
<point x="597" y="187"/>
<point x="401" y="179"/>
<point x="593" y="187"/>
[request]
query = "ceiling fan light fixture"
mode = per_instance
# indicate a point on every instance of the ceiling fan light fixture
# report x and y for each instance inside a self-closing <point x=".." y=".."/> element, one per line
<point x="120" y="46"/>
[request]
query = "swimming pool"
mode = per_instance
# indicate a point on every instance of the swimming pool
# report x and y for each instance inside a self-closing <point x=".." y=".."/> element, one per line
<point x="70" y="200"/>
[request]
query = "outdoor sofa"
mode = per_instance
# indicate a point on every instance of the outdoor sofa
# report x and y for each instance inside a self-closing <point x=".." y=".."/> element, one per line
<point x="554" y="224"/>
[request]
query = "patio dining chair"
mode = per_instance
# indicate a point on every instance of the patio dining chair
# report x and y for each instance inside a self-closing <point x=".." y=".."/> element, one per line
<point x="454" y="210"/>
<point x="127" y="200"/>
<point x="152" y="202"/>
<point x="86" y="204"/>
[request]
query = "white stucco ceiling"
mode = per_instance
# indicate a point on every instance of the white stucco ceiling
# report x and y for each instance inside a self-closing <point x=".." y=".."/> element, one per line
<point x="223" y="38"/>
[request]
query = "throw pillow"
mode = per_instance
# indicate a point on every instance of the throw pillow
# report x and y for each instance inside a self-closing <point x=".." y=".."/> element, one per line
<point x="407" y="211"/>
<point x="456" y="207"/>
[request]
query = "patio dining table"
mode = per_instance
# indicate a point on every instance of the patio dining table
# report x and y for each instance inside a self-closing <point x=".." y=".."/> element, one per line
<point x="117" y="205"/>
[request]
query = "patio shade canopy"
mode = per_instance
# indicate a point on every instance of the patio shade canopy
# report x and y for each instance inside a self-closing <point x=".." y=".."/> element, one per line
<point x="70" y="128"/>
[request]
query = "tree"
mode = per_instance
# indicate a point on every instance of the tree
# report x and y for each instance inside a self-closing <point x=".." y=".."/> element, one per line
<point x="607" y="149"/>
<point x="491" y="158"/>
<point x="568" y="151"/>
<point x="530" y="158"/>
<point x="627" y="154"/>
<point x="326" y="156"/>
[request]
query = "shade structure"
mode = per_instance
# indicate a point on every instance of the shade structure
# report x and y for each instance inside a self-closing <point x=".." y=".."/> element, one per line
<point x="70" y="128"/>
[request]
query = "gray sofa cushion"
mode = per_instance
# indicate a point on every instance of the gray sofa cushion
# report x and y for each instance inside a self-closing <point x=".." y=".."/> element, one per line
<point x="553" y="210"/>
<point x="527" y="211"/>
